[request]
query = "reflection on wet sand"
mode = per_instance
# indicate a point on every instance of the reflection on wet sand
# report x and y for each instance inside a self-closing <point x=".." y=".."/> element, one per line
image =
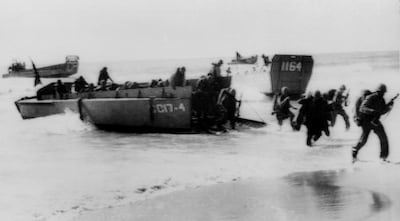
<point x="299" y="196"/>
<point x="339" y="202"/>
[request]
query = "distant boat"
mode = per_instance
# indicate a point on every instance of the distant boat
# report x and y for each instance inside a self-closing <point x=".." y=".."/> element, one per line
<point x="70" y="67"/>
<point x="244" y="60"/>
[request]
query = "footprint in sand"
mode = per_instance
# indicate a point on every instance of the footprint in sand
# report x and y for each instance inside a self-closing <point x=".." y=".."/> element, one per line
<point x="119" y="197"/>
<point x="157" y="187"/>
<point x="75" y="207"/>
<point x="140" y="190"/>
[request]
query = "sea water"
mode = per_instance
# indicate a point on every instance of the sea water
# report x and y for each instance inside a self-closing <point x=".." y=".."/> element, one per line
<point x="57" y="167"/>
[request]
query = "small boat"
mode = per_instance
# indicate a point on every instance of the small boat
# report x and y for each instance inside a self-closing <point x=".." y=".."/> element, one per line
<point x="70" y="67"/>
<point x="140" y="109"/>
<point x="244" y="60"/>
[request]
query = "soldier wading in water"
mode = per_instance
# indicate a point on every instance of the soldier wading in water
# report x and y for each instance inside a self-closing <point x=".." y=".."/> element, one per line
<point x="372" y="107"/>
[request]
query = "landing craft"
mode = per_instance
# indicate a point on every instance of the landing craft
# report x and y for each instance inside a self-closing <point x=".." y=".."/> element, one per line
<point x="291" y="71"/>
<point x="138" y="108"/>
<point x="70" y="67"/>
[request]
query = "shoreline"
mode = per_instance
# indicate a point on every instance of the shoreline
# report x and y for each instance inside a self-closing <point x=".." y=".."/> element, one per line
<point x="317" y="195"/>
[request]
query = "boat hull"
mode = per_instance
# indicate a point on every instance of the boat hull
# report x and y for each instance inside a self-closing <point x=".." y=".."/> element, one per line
<point x="33" y="108"/>
<point x="250" y="60"/>
<point x="138" y="113"/>
<point x="54" y="71"/>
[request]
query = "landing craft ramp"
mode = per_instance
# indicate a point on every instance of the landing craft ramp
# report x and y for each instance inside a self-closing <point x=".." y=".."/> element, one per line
<point x="291" y="71"/>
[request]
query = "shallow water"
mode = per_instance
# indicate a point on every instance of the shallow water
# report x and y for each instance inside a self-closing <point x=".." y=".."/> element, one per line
<point x="57" y="167"/>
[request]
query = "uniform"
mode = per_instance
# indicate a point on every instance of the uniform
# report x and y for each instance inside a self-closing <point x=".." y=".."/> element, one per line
<point x="370" y="111"/>
<point x="337" y="107"/>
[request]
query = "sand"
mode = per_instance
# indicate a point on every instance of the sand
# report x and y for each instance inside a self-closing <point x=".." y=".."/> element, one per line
<point x="346" y="194"/>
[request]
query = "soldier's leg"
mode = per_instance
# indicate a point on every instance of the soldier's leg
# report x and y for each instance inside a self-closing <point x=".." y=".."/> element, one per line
<point x="380" y="131"/>
<point x="279" y="120"/>
<point x="292" y="122"/>
<point x="333" y="118"/>
<point x="232" y="119"/>
<point x="345" y="117"/>
<point x="291" y="116"/>
<point x="366" y="129"/>
<point x="309" y="135"/>
<point x="317" y="135"/>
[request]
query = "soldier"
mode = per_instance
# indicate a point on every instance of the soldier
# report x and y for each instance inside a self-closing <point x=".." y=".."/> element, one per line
<point x="338" y="101"/>
<point x="227" y="98"/>
<point x="178" y="78"/>
<point x="216" y="69"/>
<point x="370" y="111"/>
<point x="266" y="60"/>
<point x="103" y="77"/>
<point x="315" y="118"/>
<point x="282" y="107"/>
<point x="61" y="89"/>
<point x="305" y="103"/>
<point x="80" y="84"/>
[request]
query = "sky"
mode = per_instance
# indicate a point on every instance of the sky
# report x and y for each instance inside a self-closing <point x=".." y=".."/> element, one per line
<point x="112" y="30"/>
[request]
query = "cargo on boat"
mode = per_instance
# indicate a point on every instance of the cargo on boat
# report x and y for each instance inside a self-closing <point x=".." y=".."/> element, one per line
<point x="138" y="107"/>
<point x="70" y="67"/>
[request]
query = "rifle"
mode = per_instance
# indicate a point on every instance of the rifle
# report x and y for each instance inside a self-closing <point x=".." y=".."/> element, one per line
<point x="393" y="99"/>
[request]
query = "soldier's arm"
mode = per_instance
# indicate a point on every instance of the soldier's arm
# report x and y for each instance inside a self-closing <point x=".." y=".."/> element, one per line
<point x="387" y="107"/>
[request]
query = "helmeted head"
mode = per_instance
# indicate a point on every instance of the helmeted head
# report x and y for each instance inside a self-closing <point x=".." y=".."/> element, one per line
<point x="284" y="90"/>
<point x="342" y="88"/>
<point x="317" y="94"/>
<point x="381" y="89"/>
<point x="232" y="92"/>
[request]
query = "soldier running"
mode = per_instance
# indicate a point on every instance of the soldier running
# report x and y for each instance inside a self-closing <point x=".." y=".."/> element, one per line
<point x="370" y="111"/>
<point x="339" y="100"/>
<point x="282" y="107"/>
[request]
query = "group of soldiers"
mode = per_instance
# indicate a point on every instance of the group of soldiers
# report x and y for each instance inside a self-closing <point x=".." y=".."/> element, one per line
<point x="319" y="111"/>
<point x="214" y="101"/>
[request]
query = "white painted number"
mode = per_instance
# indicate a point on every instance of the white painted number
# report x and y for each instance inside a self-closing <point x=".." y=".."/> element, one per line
<point x="168" y="108"/>
<point x="181" y="107"/>
<point x="291" y="66"/>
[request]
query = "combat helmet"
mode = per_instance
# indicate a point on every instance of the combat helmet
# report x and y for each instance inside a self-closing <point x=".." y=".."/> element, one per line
<point x="381" y="88"/>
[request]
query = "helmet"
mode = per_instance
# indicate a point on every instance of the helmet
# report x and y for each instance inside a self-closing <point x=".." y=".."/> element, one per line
<point x="317" y="94"/>
<point x="381" y="88"/>
<point x="342" y="88"/>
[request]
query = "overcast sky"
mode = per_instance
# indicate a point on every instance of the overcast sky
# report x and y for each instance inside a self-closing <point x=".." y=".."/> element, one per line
<point x="102" y="30"/>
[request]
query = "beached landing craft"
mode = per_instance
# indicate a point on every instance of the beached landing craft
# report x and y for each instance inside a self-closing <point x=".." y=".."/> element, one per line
<point x="142" y="108"/>
<point x="291" y="71"/>
<point x="70" y="67"/>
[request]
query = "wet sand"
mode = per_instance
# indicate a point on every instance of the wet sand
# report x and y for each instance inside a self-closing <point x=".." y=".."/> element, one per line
<point x="361" y="192"/>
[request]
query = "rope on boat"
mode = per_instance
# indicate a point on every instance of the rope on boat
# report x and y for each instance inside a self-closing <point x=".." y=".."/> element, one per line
<point x="258" y="115"/>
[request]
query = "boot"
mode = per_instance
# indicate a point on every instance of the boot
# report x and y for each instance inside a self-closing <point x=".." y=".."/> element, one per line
<point x="354" y="154"/>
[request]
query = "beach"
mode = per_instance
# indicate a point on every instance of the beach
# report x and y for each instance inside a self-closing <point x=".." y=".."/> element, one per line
<point x="346" y="194"/>
<point x="60" y="168"/>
